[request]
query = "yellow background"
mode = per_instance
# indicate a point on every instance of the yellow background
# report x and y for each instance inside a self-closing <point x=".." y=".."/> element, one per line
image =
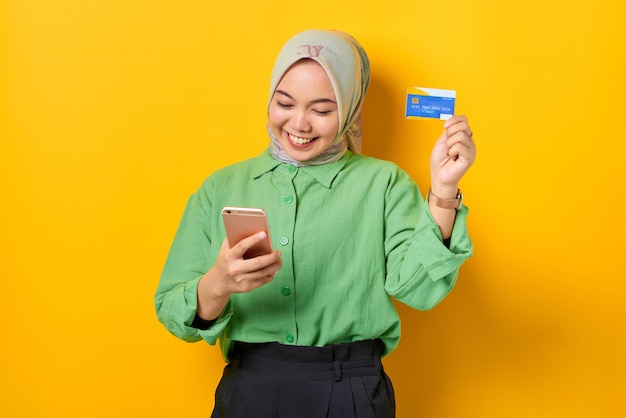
<point x="113" y="112"/>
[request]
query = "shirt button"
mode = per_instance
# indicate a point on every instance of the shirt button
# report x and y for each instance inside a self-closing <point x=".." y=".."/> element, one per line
<point x="289" y="338"/>
<point x="286" y="291"/>
<point x="284" y="241"/>
<point x="292" y="168"/>
<point x="288" y="198"/>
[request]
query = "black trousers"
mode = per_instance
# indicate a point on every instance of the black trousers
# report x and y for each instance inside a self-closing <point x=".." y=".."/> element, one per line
<point x="272" y="380"/>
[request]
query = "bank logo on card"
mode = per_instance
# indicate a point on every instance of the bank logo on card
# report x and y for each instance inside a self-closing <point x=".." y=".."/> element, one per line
<point x="427" y="103"/>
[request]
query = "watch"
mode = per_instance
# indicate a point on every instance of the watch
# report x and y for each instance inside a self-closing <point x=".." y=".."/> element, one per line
<point x="440" y="202"/>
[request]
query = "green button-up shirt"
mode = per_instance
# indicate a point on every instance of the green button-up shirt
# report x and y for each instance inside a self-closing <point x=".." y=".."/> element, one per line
<point x="352" y="233"/>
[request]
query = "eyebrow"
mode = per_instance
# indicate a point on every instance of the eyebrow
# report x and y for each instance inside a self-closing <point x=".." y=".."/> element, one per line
<point x="321" y="100"/>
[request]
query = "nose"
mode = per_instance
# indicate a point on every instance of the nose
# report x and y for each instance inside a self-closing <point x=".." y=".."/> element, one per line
<point x="300" y="121"/>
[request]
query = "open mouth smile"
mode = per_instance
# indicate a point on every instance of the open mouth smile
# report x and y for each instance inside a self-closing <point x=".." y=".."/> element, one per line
<point x="299" y="140"/>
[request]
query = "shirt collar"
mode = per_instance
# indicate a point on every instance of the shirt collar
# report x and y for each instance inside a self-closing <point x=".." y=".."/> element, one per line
<point x="324" y="174"/>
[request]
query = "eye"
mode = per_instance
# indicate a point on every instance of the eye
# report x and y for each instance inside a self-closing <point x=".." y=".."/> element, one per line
<point x="323" y="112"/>
<point x="282" y="105"/>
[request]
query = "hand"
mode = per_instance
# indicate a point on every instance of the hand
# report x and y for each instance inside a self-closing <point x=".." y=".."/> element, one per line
<point x="238" y="275"/>
<point x="453" y="154"/>
<point x="231" y="273"/>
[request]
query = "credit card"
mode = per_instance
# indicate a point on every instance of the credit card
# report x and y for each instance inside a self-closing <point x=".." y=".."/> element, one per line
<point x="427" y="103"/>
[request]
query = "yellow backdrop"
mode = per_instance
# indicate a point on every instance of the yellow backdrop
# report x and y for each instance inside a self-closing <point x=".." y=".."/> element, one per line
<point x="112" y="113"/>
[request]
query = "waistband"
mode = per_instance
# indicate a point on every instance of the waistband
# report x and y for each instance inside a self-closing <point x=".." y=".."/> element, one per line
<point x="331" y="362"/>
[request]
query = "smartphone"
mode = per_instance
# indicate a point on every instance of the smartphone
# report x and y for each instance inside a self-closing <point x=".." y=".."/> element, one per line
<point x="241" y="223"/>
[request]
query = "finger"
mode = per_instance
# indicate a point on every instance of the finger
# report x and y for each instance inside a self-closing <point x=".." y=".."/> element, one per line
<point x="455" y="120"/>
<point x="457" y="124"/>
<point x="245" y="244"/>
<point x="464" y="135"/>
<point x="261" y="262"/>
<point x="462" y="127"/>
<point x="460" y="150"/>
<point x="259" y="277"/>
<point x="463" y="153"/>
<point x="271" y="270"/>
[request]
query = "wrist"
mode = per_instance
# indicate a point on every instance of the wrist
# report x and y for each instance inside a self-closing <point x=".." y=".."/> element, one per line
<point x="210" y="286"/>
<point x="445" y="202"/>
<point x="211" y="300"/>
<point x="444" y="191"/>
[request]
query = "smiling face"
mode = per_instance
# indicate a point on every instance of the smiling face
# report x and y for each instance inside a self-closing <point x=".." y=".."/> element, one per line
<point x="303" y="113"/>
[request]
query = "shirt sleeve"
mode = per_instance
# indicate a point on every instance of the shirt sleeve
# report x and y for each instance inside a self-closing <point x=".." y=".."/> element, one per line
<point x="190" y="256"/>
<point x="421" y="269"/>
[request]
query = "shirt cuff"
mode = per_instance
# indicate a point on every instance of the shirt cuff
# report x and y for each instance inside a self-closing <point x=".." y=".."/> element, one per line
<point x="201" y="323"/>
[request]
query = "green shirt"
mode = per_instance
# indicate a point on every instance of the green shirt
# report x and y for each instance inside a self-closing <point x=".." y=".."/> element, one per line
<point x="352" y="233"/>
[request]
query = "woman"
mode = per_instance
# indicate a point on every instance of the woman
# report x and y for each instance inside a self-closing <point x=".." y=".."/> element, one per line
<point x="303" y="329"/>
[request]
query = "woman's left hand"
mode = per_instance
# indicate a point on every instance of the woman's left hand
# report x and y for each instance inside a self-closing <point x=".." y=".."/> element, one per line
<point x="452" y="156"/>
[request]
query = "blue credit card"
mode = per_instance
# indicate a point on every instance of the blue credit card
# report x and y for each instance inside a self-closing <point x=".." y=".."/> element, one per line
<point x="427" y="103"/>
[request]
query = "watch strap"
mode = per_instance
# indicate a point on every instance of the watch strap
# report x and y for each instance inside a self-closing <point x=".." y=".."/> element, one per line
<point x="440" y="202"/>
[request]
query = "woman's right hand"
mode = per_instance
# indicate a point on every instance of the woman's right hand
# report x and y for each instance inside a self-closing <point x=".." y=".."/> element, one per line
<point x="231" y="273"/>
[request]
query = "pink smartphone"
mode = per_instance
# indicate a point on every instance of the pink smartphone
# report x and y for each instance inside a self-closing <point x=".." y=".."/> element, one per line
<point x="241" y="223"/>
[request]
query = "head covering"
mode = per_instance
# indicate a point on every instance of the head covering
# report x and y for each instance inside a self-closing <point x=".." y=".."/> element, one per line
<point x="347" y="66"/>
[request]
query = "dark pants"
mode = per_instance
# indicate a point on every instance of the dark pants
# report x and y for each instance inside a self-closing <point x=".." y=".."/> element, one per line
<point x="280" y="381"/>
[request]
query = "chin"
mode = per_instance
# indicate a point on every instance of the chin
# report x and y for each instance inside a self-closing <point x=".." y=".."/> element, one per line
<point x="302" y="156"/>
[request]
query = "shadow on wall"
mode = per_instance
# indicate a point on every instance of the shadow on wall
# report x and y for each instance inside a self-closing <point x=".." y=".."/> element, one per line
<point x="455" y="356"/>
<point x="465" y="347"/>
<point x="378" y="126"/>
<point x="388" y="135"/>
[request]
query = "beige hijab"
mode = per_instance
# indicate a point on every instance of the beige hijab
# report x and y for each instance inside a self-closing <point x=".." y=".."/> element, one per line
<point x="347" y="66"/>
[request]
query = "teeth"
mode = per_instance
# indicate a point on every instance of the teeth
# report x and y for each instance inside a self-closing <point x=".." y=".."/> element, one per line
<point x="300" y="141"/>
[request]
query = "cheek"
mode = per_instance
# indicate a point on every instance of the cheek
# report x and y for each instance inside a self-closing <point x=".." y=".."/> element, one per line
<point x="330" y="127"/>
<point x="275" y="122"/>
<point x="275" y="116"/>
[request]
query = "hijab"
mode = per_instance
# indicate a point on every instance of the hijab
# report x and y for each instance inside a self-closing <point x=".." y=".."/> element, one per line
<point x="347" y="66"/>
